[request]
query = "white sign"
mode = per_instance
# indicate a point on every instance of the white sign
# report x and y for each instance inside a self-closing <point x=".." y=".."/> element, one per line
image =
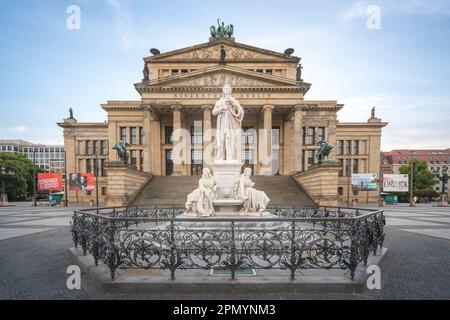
<point x="395" y="183"/>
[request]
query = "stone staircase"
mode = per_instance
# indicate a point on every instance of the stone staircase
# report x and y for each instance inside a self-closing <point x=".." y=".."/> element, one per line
<point x="172" y="190"/>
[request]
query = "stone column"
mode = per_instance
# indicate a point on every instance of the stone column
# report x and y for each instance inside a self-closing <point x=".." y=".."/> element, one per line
<point x="147" y="140"/>
<point x="178" y="151"/>
<point x="266" y="141"/>
<point x="207" y="135"/>
<point x="155" y="150"/>
<point x="298" y="139"/>
<point x="112" y="137"/>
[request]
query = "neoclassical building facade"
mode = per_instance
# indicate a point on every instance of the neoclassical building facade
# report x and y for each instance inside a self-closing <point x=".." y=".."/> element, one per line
<point x="178" y="91"/>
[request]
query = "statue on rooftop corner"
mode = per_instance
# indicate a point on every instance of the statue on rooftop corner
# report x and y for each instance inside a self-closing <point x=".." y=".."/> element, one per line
<point x="145" y="72"/>
<point x="222" y="31"/>
<point x="372" y="113"/>
<point x="70" y="113"/>
<point x="228" y="131"/>
<point x="121" y="149"/>
<point x="324" y="150"/>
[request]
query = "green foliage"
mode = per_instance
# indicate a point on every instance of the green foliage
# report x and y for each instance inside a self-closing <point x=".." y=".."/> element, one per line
<point x="423" y="177"/>
<point x="21" y="183"/>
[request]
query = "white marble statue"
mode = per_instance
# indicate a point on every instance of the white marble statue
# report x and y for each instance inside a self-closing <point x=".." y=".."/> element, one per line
<point x="255" y="201"/>
<point x="228" y="130"/>
<point x="200" y="201"/>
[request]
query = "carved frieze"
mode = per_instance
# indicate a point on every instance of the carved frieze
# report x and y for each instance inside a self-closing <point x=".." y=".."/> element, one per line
<point x="219" y="79"/>
<point x="213" y="53"/>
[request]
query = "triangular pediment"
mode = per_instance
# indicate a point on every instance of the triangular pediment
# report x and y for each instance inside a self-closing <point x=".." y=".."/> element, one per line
<point x="211" y="51"/>
<point x="217" y="76"/>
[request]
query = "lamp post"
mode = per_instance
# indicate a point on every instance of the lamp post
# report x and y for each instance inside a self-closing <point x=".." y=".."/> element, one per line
<point x="34" y="177"/>
<point x="66" y="200"/>
<point x="411" y="185"/>
<point x="96" y="177"/>
<point x="349" y="175"/>
<point x="4" y="174"/>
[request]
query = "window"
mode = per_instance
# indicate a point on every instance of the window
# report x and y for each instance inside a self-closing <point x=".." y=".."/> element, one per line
<point x="184" y="71"/>
<point x="348" y="146"/>
<point x="142" y="160"/>
<point x="260" y="70"/>
<point x="363" y="166"/>
<point x="310" y="156"/>
<point x="104" y="191"/>
<point x="88" y="166"/>
<point x="196" y="132"/>
<point x="102" y="167"/>
<point x="97" y="147"/>
<point x="340" y="145"/>
<point x="355" y="166"/>
<point x="247" y="156"/>
<point x="123" y="134"/>
<point x="269" y="71"/>
<point x="95" y="166"/>
<point x="133" y="159"/>
<point x="90" y="147"/>
<point x="168" y="130"/>
<point x="197" y="156"/>
<point x="341" y="169"/>
<point x="133" y="135"/>
<point x="340" y="191"/>
<point x="104" y="147"/>
<point x="275" y="136"/>
<point x="248" y="135"/>
<point x="347" y="167"/>
<point x="355" y="147"/>
<point x="320" y="134"/>
<point x="309" y="135"/>
<point x="174" y="72"/>
<point x="141" y="132"/>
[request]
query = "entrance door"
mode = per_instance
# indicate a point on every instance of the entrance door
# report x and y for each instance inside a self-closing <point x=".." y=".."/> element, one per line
<point x="169" y="163"/>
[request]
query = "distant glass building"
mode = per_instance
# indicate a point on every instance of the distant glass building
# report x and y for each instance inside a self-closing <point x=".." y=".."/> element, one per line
<point x="48" y="157"/>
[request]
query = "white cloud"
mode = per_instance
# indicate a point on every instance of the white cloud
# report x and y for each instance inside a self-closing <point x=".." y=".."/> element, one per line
<point x="123" y="22"/>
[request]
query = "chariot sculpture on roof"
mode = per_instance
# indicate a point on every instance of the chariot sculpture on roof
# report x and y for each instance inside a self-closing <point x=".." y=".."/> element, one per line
<point x="222" y="30"/>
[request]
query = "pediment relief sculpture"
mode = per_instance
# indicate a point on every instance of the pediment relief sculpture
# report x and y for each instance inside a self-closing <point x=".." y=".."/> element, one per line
<point x="220" y="79"/>
<point x="213" y="53"/>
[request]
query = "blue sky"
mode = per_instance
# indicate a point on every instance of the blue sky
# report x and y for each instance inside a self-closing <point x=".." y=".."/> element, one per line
<point x="403" y="68"/>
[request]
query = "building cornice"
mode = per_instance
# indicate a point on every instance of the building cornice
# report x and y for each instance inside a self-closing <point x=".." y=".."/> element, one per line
<point x="82" y="124"/>
<point x="361" y="125"/>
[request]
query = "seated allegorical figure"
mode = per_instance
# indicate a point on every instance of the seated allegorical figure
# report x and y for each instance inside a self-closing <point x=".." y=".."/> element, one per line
<point x="200" y="201"/>
<point x="254" y="200"/>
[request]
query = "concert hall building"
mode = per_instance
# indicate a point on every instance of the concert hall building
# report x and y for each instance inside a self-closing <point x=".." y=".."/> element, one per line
<point x="178" y="91"/>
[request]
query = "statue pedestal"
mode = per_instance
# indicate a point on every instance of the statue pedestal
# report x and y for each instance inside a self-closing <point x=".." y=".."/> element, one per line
<point x="226" y="174"/>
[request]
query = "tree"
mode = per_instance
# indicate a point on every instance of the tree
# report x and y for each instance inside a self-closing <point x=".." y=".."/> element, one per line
<point x="423" y="180"/>
<point x="18" y="185"/>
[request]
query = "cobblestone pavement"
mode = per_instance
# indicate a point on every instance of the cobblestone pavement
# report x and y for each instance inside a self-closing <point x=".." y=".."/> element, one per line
<point x="32" y="264"/>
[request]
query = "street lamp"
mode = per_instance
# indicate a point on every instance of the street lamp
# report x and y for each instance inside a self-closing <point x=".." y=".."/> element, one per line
<point x="4" y="174"/>
<point x="411" y="185"/>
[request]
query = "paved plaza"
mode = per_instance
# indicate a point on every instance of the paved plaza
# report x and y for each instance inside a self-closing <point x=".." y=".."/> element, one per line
<point x="33" y="242"/>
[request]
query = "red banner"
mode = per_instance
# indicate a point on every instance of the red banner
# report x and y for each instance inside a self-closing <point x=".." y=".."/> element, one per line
<point x="50" y="181"/>
<point x="81" y="181"/>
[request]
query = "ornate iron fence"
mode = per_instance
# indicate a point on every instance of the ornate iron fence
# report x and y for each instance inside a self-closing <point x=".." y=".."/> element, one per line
<point x="292" y="240"/>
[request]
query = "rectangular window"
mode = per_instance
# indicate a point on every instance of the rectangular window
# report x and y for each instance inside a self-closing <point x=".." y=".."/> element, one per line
<point x="355" y="147"/>
<point x="248" y="135"/>
<point x="260" y="70"/>
<point x="320" y="134"/>
<point x="341" y="168"/>
<point x="123" y="134"/>
<point x="275" y="136"/>
<point x="355" y="165"/>
<point x="102" y="170"/>
<point x="168" y="130"/>
<point x="340" y="191"/>
<point x="133" y="135"/>
<point x="97" y="147"/>
<point x="310" y="156"/>
<point x="348" y="146"/>
<point x="142" y="160"/>
<point x="196" y="132"/>
<point x="104" y="147"/>
<point x="95" y="166"/>
<point x="309" y="136"/>
<point x="88" y="166"/>
<point x="269" y="71"/>
<point x="90" y="147"/>
<point x="184" y="71"/>
<point x="174" y="72"/>
<point x="103" y="191"/>
<point x="363" y="166"/>
<point x="197" y="156"/>
<point x="133" y="158"/>
<point x="247" y="156"/>
<point x="347" y="167"/>
<point x="141" y="133"/>
<point x="340" y="145"/>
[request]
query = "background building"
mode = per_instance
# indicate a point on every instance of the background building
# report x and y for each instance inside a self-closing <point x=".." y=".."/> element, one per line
<point x="436" y="159"/>
<point x="48" y="157"/>
<point x="179" y="90"/>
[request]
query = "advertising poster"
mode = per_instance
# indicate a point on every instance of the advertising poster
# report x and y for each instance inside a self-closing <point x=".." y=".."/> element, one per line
<point x="364" y="182"/>
<point x="395" y="183"/>
<point x="49" y="181"/>
<point x="81" y="182"/>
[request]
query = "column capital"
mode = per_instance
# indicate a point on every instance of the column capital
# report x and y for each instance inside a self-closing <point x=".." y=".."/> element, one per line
<point x="176" y="107"/>
<point x="297" y="107"/>
<point x="268" y="107"/>
<point x="207" y="107"/>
